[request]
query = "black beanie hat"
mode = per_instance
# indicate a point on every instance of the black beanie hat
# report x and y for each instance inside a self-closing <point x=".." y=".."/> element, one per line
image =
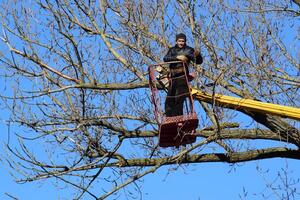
<point x="181" y="35"/>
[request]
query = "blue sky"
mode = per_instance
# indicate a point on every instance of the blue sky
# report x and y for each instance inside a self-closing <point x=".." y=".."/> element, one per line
<point x="208" y="181"/>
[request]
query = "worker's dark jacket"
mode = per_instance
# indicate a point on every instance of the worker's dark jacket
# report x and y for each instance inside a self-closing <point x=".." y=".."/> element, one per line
<point x="186" y="51"/>
<point x="178" y="87"/>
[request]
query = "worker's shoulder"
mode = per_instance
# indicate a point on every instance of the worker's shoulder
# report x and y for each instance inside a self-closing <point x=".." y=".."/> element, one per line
<point x="189" y="48"/>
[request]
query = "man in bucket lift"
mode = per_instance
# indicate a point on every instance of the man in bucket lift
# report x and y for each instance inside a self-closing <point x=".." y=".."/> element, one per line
<point x="178" y="88"/>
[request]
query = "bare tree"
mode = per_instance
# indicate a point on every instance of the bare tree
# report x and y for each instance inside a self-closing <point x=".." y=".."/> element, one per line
<point x="76" y="82"/>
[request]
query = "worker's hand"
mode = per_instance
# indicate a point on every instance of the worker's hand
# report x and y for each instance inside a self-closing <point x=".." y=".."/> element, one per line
<point x="196" y="53"/>
<point x="182" y="58"/>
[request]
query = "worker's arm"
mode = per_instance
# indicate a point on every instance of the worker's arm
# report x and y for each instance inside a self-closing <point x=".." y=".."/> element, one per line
<point x="193" y="55"/>
<point x="198" y="57"/>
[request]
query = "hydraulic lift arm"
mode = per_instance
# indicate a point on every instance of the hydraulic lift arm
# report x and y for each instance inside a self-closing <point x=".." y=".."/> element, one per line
<point x="248" y="104"/>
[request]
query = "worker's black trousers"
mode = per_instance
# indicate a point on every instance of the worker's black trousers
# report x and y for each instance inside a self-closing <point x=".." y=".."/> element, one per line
<point x="177" y="92"/>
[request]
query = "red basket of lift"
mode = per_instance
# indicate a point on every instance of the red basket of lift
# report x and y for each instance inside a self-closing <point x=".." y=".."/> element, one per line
<point x="175" y="130"/>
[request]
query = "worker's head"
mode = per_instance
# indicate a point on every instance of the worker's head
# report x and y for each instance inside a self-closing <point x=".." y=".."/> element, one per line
<point x="180" y="40"/>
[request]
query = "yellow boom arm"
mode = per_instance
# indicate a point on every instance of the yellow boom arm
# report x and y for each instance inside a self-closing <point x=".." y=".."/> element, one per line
<point x="248" y="104"/>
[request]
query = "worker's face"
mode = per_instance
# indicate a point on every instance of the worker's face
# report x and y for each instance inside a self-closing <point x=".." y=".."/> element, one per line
<point x="180" y="42"/>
